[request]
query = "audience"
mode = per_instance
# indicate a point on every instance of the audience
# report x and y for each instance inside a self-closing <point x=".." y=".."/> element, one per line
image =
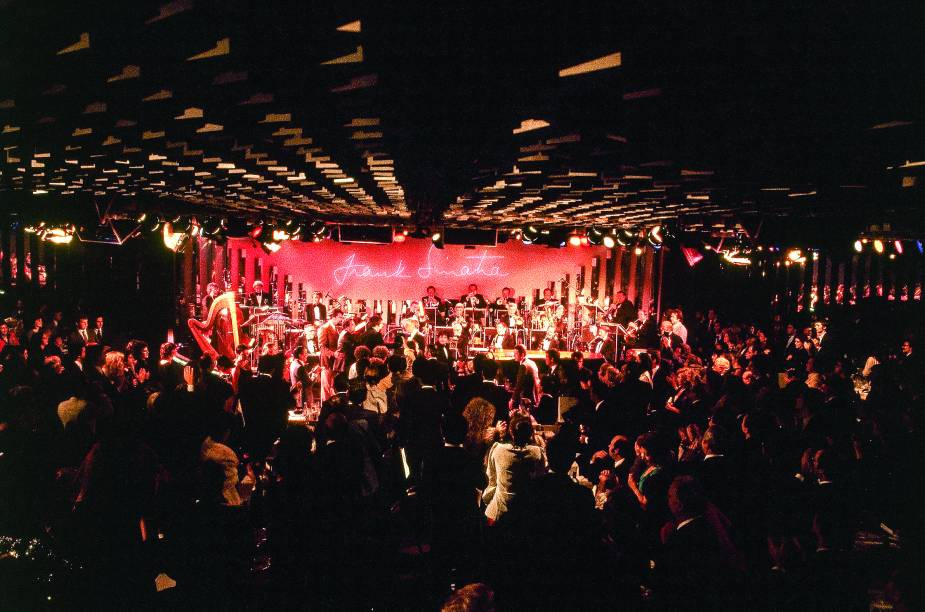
<point x="724" y="467"/>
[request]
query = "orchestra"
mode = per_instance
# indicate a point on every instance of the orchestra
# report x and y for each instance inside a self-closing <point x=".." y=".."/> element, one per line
<point x="329" y="329"/>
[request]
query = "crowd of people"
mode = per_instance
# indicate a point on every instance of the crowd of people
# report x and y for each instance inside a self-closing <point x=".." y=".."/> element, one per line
<point x="730" y="464"/>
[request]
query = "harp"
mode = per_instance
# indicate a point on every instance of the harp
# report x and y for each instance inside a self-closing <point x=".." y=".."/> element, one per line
<point x="221" y="332"/>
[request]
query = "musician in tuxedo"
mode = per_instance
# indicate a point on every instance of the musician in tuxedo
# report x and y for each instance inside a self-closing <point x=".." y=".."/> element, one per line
<point x="316" y="312"/>
<point x="414" y="339"/>
<point x="603" y="344"/>
<point x="472" y="298"/>
<point x="621" y="310"/>
<point x="433" y="302"/>
<point x="504" y="339"/>
<point x="551" y="340"/>
<point x="507" y="297"/>
<point x="259" y="297"/>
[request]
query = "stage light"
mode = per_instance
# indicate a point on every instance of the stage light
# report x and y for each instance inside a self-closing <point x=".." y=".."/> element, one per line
<point x="280" y="234"/>
<point x="173" y="240"/>
<point x="892" y="255"/>
<point x="655" y="237"/>
<point x="574" y="240"/>
<point x="796" y="256"/>
<point x="270" y="246"/>
<point x="437" y="238"/>
<point x="318" y="229"/>
<point x="736" y="258"/>
<point x="626" y="237"/>
<point x="898" y="245"/>
<point x="920" y="246"/>
<point x="878" y="246"/>
<point x="530" y="234"/>
<point x="858" y="246"/>
<point x="59" y="235"/>
<point x="212" y="226"/>
<point x="638" y="251"/>
<point x="399" y="236"/>
<point x="609" y="241"/>
<point x="815" y="256"/>
<point x="595" y="235"/>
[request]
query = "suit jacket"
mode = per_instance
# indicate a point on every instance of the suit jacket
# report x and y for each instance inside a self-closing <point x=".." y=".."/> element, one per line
<point x="372" y="339"/>
<point x="507" y="343"/>
<point x="625" y="313"/>
<point x="310" y="313"/>
<point x="495" y="395"/>
<point x="75" y="340"/>
<point x="97" y="335"/>
<point x="527" y="376"/>
<point x="267" y="299"/>
<point x="443" y="353"/>
<point x="417" y="343"/>
<point x="603" y="347"/>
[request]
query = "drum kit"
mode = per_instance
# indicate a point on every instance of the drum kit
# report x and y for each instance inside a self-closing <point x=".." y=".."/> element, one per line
<point x="271" y="324"/>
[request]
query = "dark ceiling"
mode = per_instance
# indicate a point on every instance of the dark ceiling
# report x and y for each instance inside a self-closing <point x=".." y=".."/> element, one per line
<point x="714" y="112"/>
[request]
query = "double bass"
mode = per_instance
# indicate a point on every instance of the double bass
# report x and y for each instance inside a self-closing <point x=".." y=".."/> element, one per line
<point x="221" y="332"/>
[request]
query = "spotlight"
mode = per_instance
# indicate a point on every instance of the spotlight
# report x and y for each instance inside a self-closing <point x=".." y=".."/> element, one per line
<point x="638" y="250"/>
<point x="437" y="238"/>
<point x="152" y="223"/>
<point x="655" y="237"/>
<point x="609" y="241"/>
<point x="399" y="236"/>
<point x="815" y="256"/>
<point x="796" y="256"/>
<point x="892" y="255"/>
<point x="318" y="229"/>
<point x="530" y="234"/>
<point x="173" y="240"/>
<point x="574" y="240"/>
<point x="280" y="234"/>
<point x="878" y="246"/>
<point x="626" y="237"/>
<point x="270" y="246"/>
<point x="898" y="245"/>
<point x="212" y="226"/>
<point x="858" y="246"/>
<point x="595" y="235"/>
<point x="59" y="235"/>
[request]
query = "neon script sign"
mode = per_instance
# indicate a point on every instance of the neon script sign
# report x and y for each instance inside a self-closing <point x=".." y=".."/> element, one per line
<point x="483" y="265"/>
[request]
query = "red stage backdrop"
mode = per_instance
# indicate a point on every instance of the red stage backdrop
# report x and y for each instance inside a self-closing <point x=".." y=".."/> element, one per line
<point x="402" y="271"/>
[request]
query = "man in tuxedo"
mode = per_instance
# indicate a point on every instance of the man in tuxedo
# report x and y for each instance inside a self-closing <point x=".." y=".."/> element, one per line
<point x="316" y="312"/>
<point x="414" y="339"/>
<point x="504" y="339"/>
<point x="720" y="480"/>
<point x="553" y="362"/>
<point x="622" y="310"/>
<point x="450" y="480"/>
<point x="825" y="346"/>
<point x="97" y="332"/>
<point x="528" y="377"/>
<point x="472" y="298"/>
<point x="82" y="336"/>
<point x="420" y="417"/>
<point x="493" y="393"/>
<point x="373" y="336"/>
<point x="668" y="340"/>
<point x="603" y="345"/>
<point x="259" y="297"/>
<point x="441" y="351"/>
<point x="618" y="458"/>
<point x="433" y="303"/>
<point x="692" y="559"/>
